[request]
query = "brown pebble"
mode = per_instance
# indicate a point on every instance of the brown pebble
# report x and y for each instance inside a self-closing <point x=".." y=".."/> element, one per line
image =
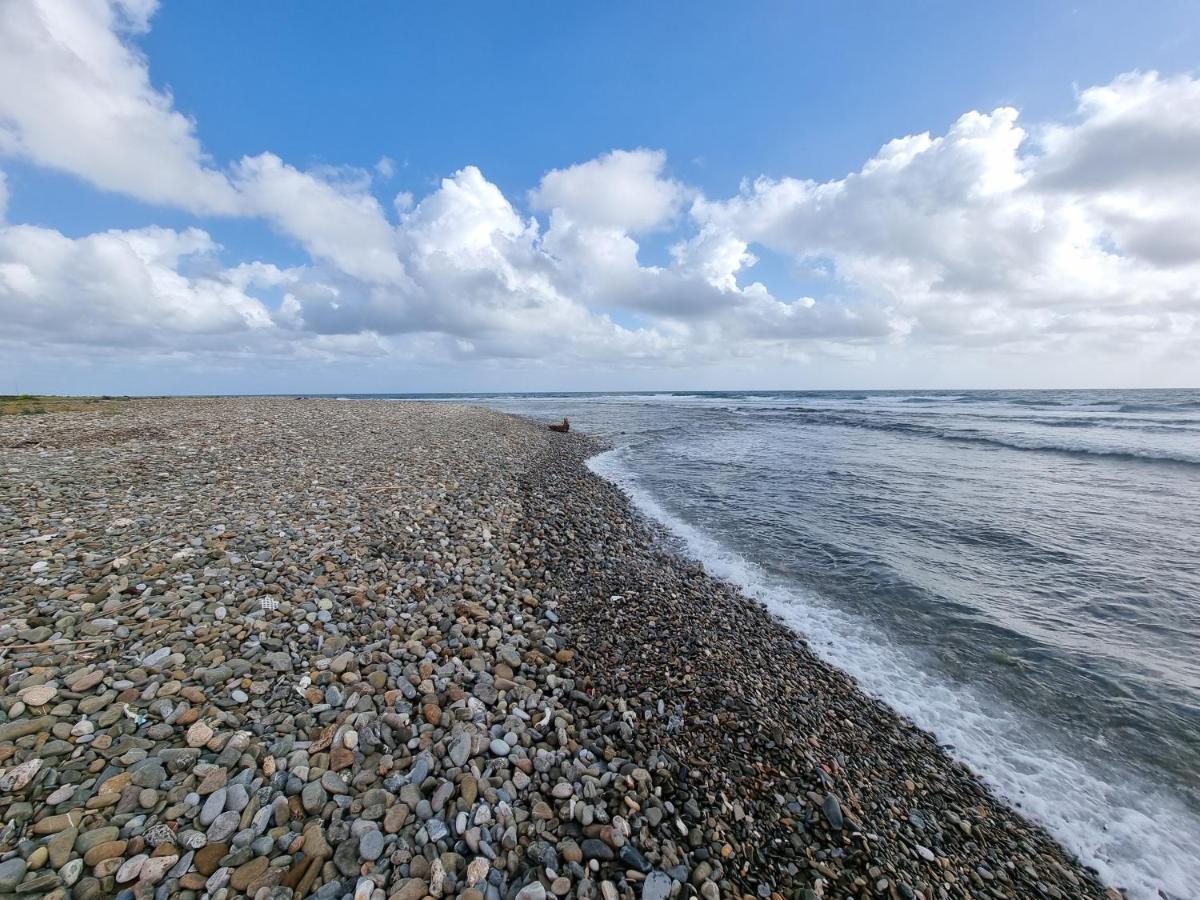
<point x="208" y="857"/>
<point x="107" y="850"/>
<point x="244" y="874"/>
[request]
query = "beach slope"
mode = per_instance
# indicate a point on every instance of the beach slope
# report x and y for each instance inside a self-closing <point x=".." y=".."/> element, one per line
<point x="278" y="648"/>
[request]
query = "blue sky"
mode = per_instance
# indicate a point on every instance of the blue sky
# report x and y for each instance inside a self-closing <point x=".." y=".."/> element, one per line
<point x="728" y="90"/>
<point x="727" y="93"/>
<point x="516" y="89"/>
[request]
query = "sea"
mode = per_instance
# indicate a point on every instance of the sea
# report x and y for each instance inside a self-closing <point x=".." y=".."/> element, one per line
<point x="1017" y="572"/>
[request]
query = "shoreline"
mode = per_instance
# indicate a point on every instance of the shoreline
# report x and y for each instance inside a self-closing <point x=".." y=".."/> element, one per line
<point x="680" y="739"/>
<point x="700" y="608"/>
<point x="1089" y="808"/>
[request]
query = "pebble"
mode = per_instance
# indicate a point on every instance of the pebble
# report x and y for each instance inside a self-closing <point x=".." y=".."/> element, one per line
<point x="657" y="886"/>
<point x="460" y="750"/>
<point x="424" y="641"/>
<point x="12" y="873"/>
<point x="223" y="826"/>
<point x="131" y="868"/>
<point x="535" y="890"/>
<point x="314" y="797"/>
<point x="39" y="695"/>
<point x="16" y="778"/>
<point x="833" y="812"/>
<point x="597" y="849"/>
<point x="370" y="846"/>
<point x="199" y="734"/>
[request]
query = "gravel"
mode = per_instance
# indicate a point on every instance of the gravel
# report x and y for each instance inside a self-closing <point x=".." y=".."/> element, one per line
<point x="282" y="648"/>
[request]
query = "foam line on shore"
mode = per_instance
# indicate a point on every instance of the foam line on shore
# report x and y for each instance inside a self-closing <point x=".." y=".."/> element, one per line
<point x="1133" y="834"/>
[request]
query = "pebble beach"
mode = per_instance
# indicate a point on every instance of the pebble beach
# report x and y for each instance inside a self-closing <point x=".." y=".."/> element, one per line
<point x="281" y="648"/>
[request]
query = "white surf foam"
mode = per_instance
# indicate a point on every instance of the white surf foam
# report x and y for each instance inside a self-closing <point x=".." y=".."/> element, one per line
<point x="1133" y="833"/>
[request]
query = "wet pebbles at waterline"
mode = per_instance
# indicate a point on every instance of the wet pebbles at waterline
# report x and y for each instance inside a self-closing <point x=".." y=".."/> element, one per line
<point x="287" y="648"/>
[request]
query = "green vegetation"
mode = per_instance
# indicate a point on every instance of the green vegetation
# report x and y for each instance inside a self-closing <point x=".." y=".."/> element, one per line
<point x="36" y="404"/>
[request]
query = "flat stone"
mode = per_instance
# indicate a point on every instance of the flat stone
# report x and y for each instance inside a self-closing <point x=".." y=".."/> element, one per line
<point x="596" y="849"/>
<point x="55" y="824"/>
<point x="131" y="868"/>
<point x="477" y="870"/>
<point x="12" y="872"/>
<point x="460" y="750"/>
<point x="208" y="857"/>
<point x="345" y="857"/>
<point x="315" y="843"/>
<point x="657" y="886"/>
<point x="159" y="834"/>
<point x="370" y="845"/>
<point x="313" y="797"/>
<point x="38" y="695"/>
<point x="213" y="807"/>
<point x="224" y="826"/>
<point x="39" y="885"/>
<point x="149" y="776"/>
<point x="410" y="889"/>
<point x="16" y="778"/>
<point x="833" y="812"/>
<point x="61" y="795"/>
<point x="86" y="681"/>
<point x="245" y="875"/>
<point x="70" y="871"/>
<point x="334" y="784"/>
<point x="199" y="734"/>
<point x="237" y="797"/>
<point x="107" y="850"/>
<point x="156" y="867"/>
<point x="60" y="847"/>
<point x="89" y="839"/>
<point x="395" y="817"/>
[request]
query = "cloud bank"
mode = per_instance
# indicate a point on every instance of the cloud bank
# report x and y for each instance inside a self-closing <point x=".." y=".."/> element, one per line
<point x="998" y="236"/>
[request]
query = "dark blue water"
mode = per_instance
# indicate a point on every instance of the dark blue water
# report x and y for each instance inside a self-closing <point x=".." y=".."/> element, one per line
<point x="1016" y="571"/>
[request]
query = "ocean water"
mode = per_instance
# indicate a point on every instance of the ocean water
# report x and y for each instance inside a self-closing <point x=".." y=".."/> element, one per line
<point x="1015" y="571"/>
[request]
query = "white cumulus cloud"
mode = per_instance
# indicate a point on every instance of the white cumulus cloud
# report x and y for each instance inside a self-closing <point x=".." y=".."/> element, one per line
<point x="1070" y="237"/>
<point x="623" y="189"/>
<point x="76" y="96"/>
<point x="337" y="223"/>
<point x="988" y="234"/>
<point x="119" y="288"/>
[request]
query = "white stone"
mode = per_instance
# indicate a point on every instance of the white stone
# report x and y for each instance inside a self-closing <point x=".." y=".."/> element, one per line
<point x="38" y="695"/>
<point x="16" y="778"/>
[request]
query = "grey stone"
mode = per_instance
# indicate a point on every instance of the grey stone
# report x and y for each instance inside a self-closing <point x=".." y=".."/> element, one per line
<point x="237" y="797"/>
<point x="214" y="805"/>
<point x="460" y="750"/>
<point x="345" y="857"/>
<point x="11" y="874"/>
<point x="657" y="886"/>
<point x="313" y="797"/>
<point x="224" y="826"/>
<point x="370" y="845"/>
<point x="833" y="812"/>
<point x="596" y="849"/>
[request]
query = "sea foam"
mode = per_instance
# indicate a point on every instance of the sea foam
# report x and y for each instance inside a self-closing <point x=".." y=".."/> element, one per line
<point x="1130" y="831"/>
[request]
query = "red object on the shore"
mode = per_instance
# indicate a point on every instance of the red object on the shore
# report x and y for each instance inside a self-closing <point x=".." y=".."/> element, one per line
<point x="562" y="428"/>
